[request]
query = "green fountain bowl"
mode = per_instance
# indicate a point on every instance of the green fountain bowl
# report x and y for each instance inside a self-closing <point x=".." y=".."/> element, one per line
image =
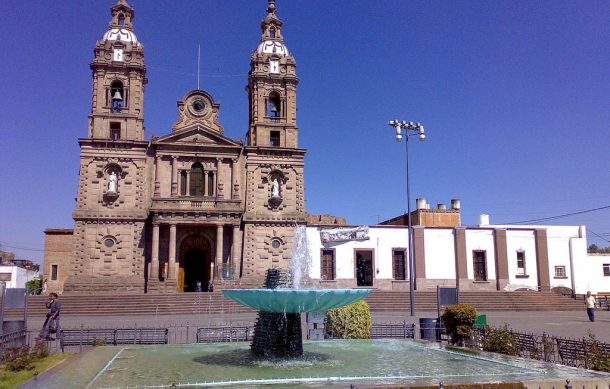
<point x="295" y="300"/>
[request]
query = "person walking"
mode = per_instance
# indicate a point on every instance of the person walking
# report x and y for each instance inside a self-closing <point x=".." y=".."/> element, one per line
<point x="590" y="304"/>
<point x="52" y="321"/>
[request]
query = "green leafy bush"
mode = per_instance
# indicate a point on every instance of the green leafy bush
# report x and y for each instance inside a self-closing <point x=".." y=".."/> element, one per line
<point x="98" y="342"/>
<point x="34" y="286"/>
<point x="350" y="322"/>
<point x="459" y="320"/>
<point x="40" y="350"/>
<point x="500" y="340"/>
<point x="597" y="357"/>
<point x="17" y="358"/>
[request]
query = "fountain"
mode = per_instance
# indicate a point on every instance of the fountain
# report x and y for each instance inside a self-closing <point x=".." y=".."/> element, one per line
<point x="277" y="332"/>
<point x="276" y="357"/>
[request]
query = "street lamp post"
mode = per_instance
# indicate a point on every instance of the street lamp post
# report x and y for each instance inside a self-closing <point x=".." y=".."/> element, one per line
<point x="405" y="130"/>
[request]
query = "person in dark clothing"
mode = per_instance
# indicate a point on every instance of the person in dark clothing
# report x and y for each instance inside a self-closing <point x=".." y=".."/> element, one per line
<point x="52" y="321"/>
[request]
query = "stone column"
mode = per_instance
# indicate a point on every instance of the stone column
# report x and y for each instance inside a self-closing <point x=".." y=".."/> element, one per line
<point x="461" y="268"/>
<point x="235" y="250"/>
<point x="542" y="260"/>
<point x="154" y="263"/>
<point x="219" y="243"/>
<point x="172" y="253"/>
<point x="157" y="182"/>
<point x="419" y="257"/>
<point x="205" y="183"/>
<point x="187" y="190"/>
<point x="174" y="176"/>
<point x="217" y="179"/>
<point x="501" y="250"/>
<point x="234" y="175"/>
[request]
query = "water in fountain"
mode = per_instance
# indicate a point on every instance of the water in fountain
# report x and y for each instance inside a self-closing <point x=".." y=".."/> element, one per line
<point x="277" y="332"/>
<point x="300" y="260"/>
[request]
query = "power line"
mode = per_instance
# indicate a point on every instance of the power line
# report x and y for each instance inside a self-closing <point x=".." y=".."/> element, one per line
<point x="598" y="235"/>
<point x="20" y="248"/>
<point x="559" y="216"/>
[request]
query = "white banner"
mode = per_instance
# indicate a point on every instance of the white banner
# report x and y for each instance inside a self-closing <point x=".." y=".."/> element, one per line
<point x="344" y="234"/>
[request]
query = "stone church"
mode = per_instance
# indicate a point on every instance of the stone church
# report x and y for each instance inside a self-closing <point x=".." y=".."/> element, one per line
<point x="192" y="208"/>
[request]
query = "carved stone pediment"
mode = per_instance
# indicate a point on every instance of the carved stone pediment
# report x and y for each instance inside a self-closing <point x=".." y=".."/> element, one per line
<point x="198" y="107"/>
<point x="196" y="134"/>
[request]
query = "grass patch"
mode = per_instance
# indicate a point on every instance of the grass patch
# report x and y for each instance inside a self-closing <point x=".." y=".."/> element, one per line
<point x="12" y="379"/>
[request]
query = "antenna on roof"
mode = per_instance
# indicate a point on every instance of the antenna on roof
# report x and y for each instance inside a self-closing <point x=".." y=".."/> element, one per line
<point x="198" y="63"/>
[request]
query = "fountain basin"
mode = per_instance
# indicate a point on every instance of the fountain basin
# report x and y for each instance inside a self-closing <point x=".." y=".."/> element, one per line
<point x="295" y="300"/>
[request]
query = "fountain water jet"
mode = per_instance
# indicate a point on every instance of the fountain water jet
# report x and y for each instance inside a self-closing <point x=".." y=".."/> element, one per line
<point x="277" y="332"/>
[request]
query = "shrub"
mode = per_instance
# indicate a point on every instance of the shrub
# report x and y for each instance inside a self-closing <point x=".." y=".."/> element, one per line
<point x="34" y="286"/>
<point x="98" y="342"/>
<point x="500" y="340"/>
<point x="459" y="320"/>
<point x="350" y="322"/>
<point x="40" y="350"/>
<point x="597" y="357"/>
<point x="17" y="358"/>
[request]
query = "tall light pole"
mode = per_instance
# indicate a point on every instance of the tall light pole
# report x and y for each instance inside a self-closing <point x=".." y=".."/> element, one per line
<point x="406" y="130"/>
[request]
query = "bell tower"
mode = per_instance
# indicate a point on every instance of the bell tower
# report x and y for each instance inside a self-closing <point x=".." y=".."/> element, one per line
<point x="119" y="78"/>
<point x="272" y="84"/>
<point x="275" y="188"/>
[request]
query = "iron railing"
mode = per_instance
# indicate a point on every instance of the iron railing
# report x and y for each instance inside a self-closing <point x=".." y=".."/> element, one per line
<point x="548" y="348"/>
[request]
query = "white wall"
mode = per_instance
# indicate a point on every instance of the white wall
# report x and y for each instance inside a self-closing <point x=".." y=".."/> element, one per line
<point x="481" y="240"/>
<point x="439" y="245"/>
<point x="381" y="241"/>
<point x="589" y="274"/>
<point x="19" y="276"/>
<point x="524" y="240"/>
<point x="560" y="251"/>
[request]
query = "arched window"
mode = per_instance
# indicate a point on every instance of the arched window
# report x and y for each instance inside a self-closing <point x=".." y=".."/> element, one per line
<point x="121" y="20"/>
<point x="183" y="183"/>
<point x="272" y="32"/>
<point x="196" y="188"/>
<point x="117" y="96"/>
<point x="274" y="106"/>
<point x="210" y="184"/>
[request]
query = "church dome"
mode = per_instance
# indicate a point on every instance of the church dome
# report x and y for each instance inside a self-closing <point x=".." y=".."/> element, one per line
<point x="121" y="34"/>
<point x="272" y="47"/>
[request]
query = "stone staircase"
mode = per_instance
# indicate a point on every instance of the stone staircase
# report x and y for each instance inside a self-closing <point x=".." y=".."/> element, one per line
<point x="215" y="302"/>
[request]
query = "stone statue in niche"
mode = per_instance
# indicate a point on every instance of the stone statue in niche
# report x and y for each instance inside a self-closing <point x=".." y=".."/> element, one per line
<point x="275" y="188"/>
<point x="112" y="182"/>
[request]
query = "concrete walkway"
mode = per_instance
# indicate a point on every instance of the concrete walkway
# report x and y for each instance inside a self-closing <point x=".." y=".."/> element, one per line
<point x="563" y="324"/>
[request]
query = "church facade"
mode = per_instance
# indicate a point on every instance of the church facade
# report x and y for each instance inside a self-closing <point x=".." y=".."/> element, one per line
<point x="190" y="208"/>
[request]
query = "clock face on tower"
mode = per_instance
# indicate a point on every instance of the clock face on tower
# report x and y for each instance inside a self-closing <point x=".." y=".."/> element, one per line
<point x="274" y="67"/>
<point x="118" y="55"/>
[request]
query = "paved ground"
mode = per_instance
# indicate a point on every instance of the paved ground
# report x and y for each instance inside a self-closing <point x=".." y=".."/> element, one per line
<point x="564" y="324"/>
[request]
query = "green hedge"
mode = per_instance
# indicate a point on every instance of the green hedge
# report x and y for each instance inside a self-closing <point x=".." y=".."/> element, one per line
<point x="459" y="320"/>
<point x="350" y="322"/>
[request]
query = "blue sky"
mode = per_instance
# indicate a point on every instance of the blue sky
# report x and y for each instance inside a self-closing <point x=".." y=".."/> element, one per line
<point x="514" y="96"/>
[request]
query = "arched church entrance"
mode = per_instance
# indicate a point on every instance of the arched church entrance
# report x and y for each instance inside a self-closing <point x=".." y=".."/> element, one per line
<point x="195" y="271"/>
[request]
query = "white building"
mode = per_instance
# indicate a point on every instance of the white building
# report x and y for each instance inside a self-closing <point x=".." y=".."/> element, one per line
<point x="16" y="276"/>
<point x="484" y="257"/>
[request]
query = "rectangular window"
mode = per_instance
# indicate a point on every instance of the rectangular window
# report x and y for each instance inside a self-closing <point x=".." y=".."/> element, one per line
<point x="328" y="265"/>
<point x="480" y="265"/>
<point x="115" y="131"/>
<point x="398" y="264"/>
<point x="606" y="269"/>
<point x="274" y="139"/>
<point x="560" y="272"/>
<point x="54" y="272"/>
<point x="521" y="263"/>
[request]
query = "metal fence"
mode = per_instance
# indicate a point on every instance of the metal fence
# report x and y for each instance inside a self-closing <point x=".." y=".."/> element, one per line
<point x="548" y="348"/>
<point x="17" y="338"/>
